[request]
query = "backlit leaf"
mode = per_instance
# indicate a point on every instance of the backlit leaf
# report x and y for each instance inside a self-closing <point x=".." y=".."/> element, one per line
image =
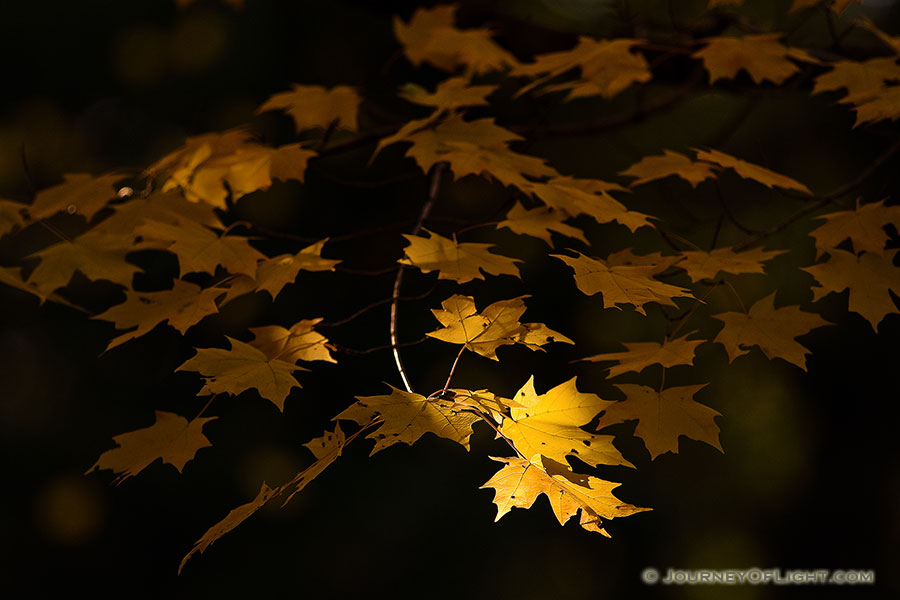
<point x="460" y="262"/>
<point x="312" y="106"/>
<point x="640" y="355"/>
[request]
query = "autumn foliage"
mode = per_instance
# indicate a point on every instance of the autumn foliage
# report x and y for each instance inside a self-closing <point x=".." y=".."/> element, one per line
<point x="183" y="206"/>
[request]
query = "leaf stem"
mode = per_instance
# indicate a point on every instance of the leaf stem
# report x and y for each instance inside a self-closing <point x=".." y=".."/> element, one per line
<point x="453" y="368"/>
<point x="436" y="173"/>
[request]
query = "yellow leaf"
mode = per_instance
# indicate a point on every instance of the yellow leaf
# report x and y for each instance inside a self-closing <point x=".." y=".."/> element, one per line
<point x="12" y="276"/>
<point x="199" y="250"/>
<point x="772" y="329"/>
<point x="607" y="68"/>
<point x="182" y="306"/>
<point x="497" y="325"/>
<point x="706" y="265"/>
<point x="864" y="226"/>
<point x="858" y="77"/>
<point x="520" y="482"/>
<point x="11" y="216"/>
<point x="171" y="438"/>
<point x="313" y="106"/>
<point x="450" y="94"/>
<point x="669" y="163"/>
<point x="430" y="36"/>
<point x="241" y="368"/>
<point x="640" y="355"/>
<point x="664" y="416"/>
<point x="79" y="194"/>
<point x="585" y="197"/>
<point x="276" y="272"/>
<point x="231" y="520"/>
<point x="459" y="262"/>
<point x="550" y="424"/>
<point x="300" y="342"/>
<point x="876" y="105"/>
<point x="539" y="222"/>
<point x="762" y="56"/>
<point x="166" y="207"/>
<point x="623" y="284"/>
<point x="96" y="256"/>
<point x="869" y="277"/>
<point x="748" y="170"/>
<point x="408" y="416"/>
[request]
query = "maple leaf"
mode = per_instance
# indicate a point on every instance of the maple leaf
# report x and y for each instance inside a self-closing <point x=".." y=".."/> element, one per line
<point x="669" y="163"/>
<point x="326" y="449"/>
<point x="497" y="325"/>
<point x="586" y="197"/>
<point x="79" y="193"/>
<point x="869" y="277"/>
<point x="11" y="216"/>
<point x="483" y="400"/>
<point x="762" y="56"/>
<point x="858" y="77"/>
<point x="748" y="170"/>
<point x="539" y="222"/>
<point x="230" y="522"/>
<point x="300" y="342"/>
<point x="312" y="106"/>
<point x="521" y="481"/>
<point x="171" y="438"/>
<point x="182" y="307"/>
<point x="450" y="94"/>
<point x="706" y="265"/>
<point x="664" y="416"/>
<point x="876" y="105"/>
<point x="430" y="36"/>
<point x="607" y="68"/>
<point x="408" y="416"/>
<point x="200" y="250"/>
<point x="12" y="276"/>
<point x="772" y="329"/>
<point x="477" y="147"/>
<point x="622" y="284"/>
<point x="864" y="226"/>
<point x="96" y="256"/>
<point x="241" y="368"/>
<point x="207" y="167"/>
<point x="550" y="424"/>
<point x="460" y="262"/>
<point x="640" y="355"/>
<point x="165" y="207"/>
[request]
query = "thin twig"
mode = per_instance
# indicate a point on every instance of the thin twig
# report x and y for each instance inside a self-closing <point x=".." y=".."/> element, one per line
<point x="453" y="368"/>
<point x="376" y="304"/>
<point x="436" y="173"/>
<point x="354" y="351"/>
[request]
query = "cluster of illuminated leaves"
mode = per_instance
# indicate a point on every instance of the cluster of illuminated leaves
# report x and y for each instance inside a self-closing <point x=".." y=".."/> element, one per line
<point x="190" y="192"/>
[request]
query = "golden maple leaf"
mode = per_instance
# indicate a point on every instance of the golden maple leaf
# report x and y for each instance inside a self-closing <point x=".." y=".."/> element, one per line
<point x="669" y="163"/>
<point x="460" y="262"/>
<point x="762" y="56"/>
<point x="199" y="250"/>
<point x="79" y="194"/>
<point x="869" y="277"/>
<point x="94" y="255"/>
<point x="408" y="416"/>
<point x="182" y="307"/>
<point x="171" y="438"/>
<point x="550" y="424"/>
<point x="607" y="67"/>
<point x="430" y="36"/>
<point x="858" y="77"/>
<point x="864" y="226"/>
<point x="640" y="355"/>
<point x="622" y="284"/>
<point x="585" y="197"/>
<point x="12" y="276"/>
<point x="706" y="265"/>
<point x="241" y="368"/>
<point x="450" y="94"/>
<point x="312" y="106"/>
<point x="664" y="416"/>
<point x="772" y="329"/>
<point x="326" y="449"/>
<point x="521" y="481"/>
<point x="876" y="105"/>
<point x="497" y="325"/>
<point x="748" y="170"/>
<point x="300" y="342"/>
<point x="165" y="207"/>
<point x="539" y="222"/>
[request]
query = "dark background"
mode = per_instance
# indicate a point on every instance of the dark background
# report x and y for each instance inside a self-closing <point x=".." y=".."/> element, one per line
<point x="810" y="478"/>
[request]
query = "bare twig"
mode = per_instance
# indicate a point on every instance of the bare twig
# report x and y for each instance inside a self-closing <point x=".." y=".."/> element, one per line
<point x="436" y="173"/>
